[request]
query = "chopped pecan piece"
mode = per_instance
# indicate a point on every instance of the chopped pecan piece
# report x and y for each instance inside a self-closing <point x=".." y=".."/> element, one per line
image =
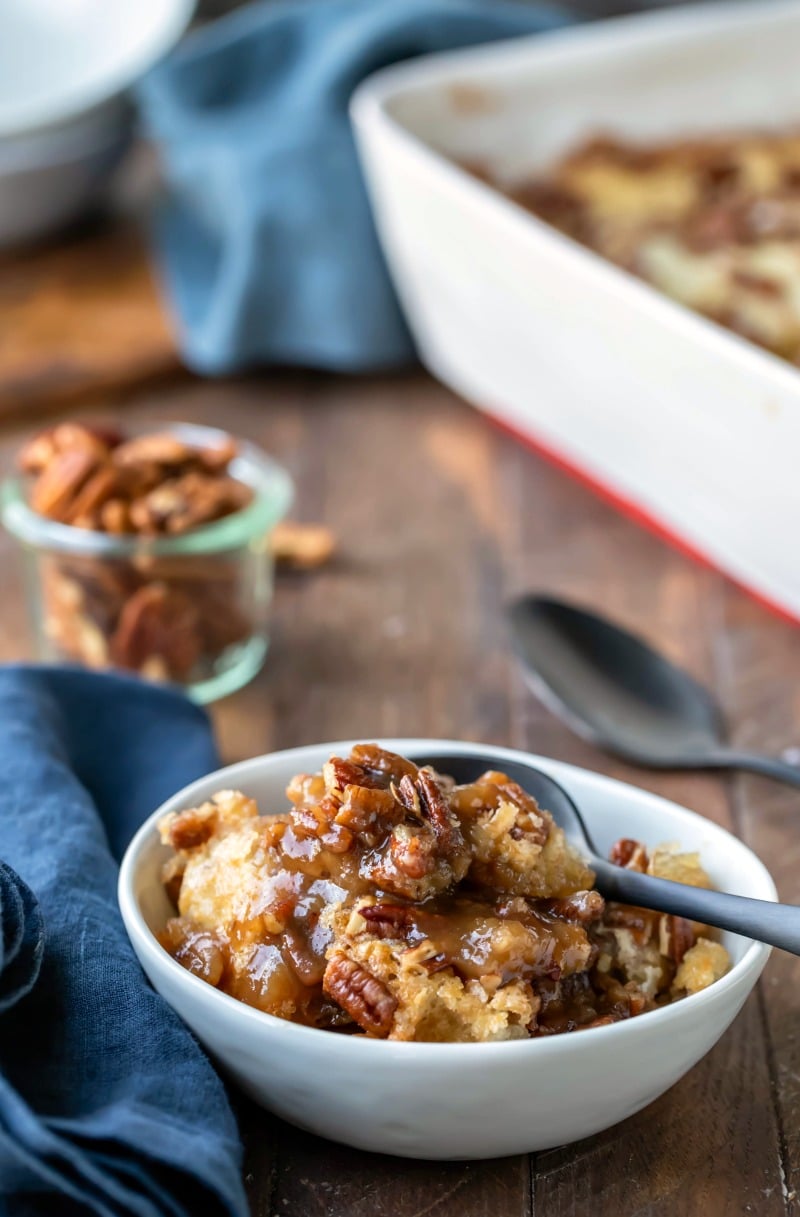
<point x="412" y="853"/>
<point x="629" y="854"/>
<point x="675" y="937"/>
<point x="191" y="828"/>
<point x="367" y="811"/>
<point x="365" y="998"/>
<point x="583" y="907"/>
<point x="531" y="824"/>
<point x="302" y="546"/>
<point x="407" y="795"/>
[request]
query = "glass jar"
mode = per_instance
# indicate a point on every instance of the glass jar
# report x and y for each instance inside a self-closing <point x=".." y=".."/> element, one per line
<point x="191" y="609"/>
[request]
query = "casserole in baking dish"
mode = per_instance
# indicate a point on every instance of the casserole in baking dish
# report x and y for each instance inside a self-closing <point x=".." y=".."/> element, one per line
<point x="692" y="427"/>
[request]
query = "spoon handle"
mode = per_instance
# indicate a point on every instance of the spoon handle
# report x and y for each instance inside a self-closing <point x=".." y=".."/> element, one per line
<point x="767" y="766"/>
<point x="776" y="924"/>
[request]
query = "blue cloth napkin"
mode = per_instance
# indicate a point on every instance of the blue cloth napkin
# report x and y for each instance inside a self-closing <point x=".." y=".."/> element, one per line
<point x="107" y="1104"/>
<point x="266" y="241"/>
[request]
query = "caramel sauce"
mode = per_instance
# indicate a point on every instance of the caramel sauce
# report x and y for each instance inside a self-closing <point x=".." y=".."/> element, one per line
<point x="374" y="826"/>
<point x="470" y="937"/>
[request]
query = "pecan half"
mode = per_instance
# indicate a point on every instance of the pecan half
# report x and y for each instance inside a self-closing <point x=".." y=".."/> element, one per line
<point x="180" y="504"/>
<point x="57" y="486"/>
<point x="37" y="453"/>
<point x="96" y="490"/>
<point x="161" y="448"/>
<point x="436" y="809"/>
<point x="407" y="796"/>
<point x="388" y="920"/>
<point x="365" y="998"/>
<point x="382" y="763"/>
<point x="302" y="546"/>
<point x="339" y="774"/>
<point x="157" y="621"/>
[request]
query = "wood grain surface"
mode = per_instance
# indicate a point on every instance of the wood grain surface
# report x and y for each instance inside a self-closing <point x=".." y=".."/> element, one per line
<point x="441" y="520"/>
<point x="80" y="318"/>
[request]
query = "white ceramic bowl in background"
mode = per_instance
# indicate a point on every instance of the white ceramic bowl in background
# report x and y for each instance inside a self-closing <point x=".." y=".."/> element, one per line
<point x="45" y="182"/>
<point x="452" y="1100"/>
<point x="689" y="426"/>
<point x="60" y="58"/>
<point x="65" y="124"/>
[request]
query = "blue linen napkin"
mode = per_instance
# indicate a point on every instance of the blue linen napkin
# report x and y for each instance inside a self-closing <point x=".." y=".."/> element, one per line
<point x="266" y="241"/>
<point x="107" y="1104"/>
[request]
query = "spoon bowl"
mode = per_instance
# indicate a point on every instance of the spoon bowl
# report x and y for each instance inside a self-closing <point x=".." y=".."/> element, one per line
<point x="615" y="690"/>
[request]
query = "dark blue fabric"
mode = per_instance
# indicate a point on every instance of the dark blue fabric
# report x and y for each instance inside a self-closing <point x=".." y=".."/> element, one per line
<point x="107" y="1104"/>
<point x="267" y="245"/>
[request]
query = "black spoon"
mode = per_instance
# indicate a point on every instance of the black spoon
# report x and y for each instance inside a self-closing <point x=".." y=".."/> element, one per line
<point x="612" y="688"/>
<point x="776" y="924"/>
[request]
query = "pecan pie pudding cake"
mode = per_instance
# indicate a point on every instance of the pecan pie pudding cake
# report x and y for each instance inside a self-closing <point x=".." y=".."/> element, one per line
<point x="390" y="902"/>
<point x="714" y="223"/>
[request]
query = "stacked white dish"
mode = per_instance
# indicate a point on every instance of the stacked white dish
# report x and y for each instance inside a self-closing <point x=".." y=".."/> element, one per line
<point x="65" y="68"/>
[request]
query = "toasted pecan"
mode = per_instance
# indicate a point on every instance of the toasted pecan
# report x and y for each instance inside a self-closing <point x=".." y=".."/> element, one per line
<point x="58" y="484"/>
<point x="365" y="998"/>
<point x="157" y="621"/>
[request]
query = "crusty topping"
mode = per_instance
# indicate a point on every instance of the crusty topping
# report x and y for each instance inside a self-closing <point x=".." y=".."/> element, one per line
<point x="702" y="964"/>
<point x="713" y="223"/>
<point x="391" y="900"/>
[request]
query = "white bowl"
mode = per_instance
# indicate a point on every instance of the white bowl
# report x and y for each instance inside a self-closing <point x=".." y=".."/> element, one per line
<point x="59" y="58"/>
<point x="452" y="1100"/>
<point x="45" y="182"/>
<point x="64" y="121"/>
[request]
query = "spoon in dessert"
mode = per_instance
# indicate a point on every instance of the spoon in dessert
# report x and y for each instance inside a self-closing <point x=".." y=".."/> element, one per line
<point x="613" y="689"/>
<point x="776" y="924"/>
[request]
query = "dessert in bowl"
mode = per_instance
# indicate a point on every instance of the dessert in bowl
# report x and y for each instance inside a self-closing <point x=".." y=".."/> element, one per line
<point x="419" y="1099"/>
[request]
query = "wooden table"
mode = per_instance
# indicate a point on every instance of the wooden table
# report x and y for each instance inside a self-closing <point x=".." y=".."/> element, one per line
<point x="442" y="519"/>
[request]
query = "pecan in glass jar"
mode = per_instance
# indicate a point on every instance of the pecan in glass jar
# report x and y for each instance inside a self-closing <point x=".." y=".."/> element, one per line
<point x="149" y="552"/>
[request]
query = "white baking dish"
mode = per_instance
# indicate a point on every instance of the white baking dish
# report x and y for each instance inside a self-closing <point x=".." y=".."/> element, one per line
<point x="691" y="427"/>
